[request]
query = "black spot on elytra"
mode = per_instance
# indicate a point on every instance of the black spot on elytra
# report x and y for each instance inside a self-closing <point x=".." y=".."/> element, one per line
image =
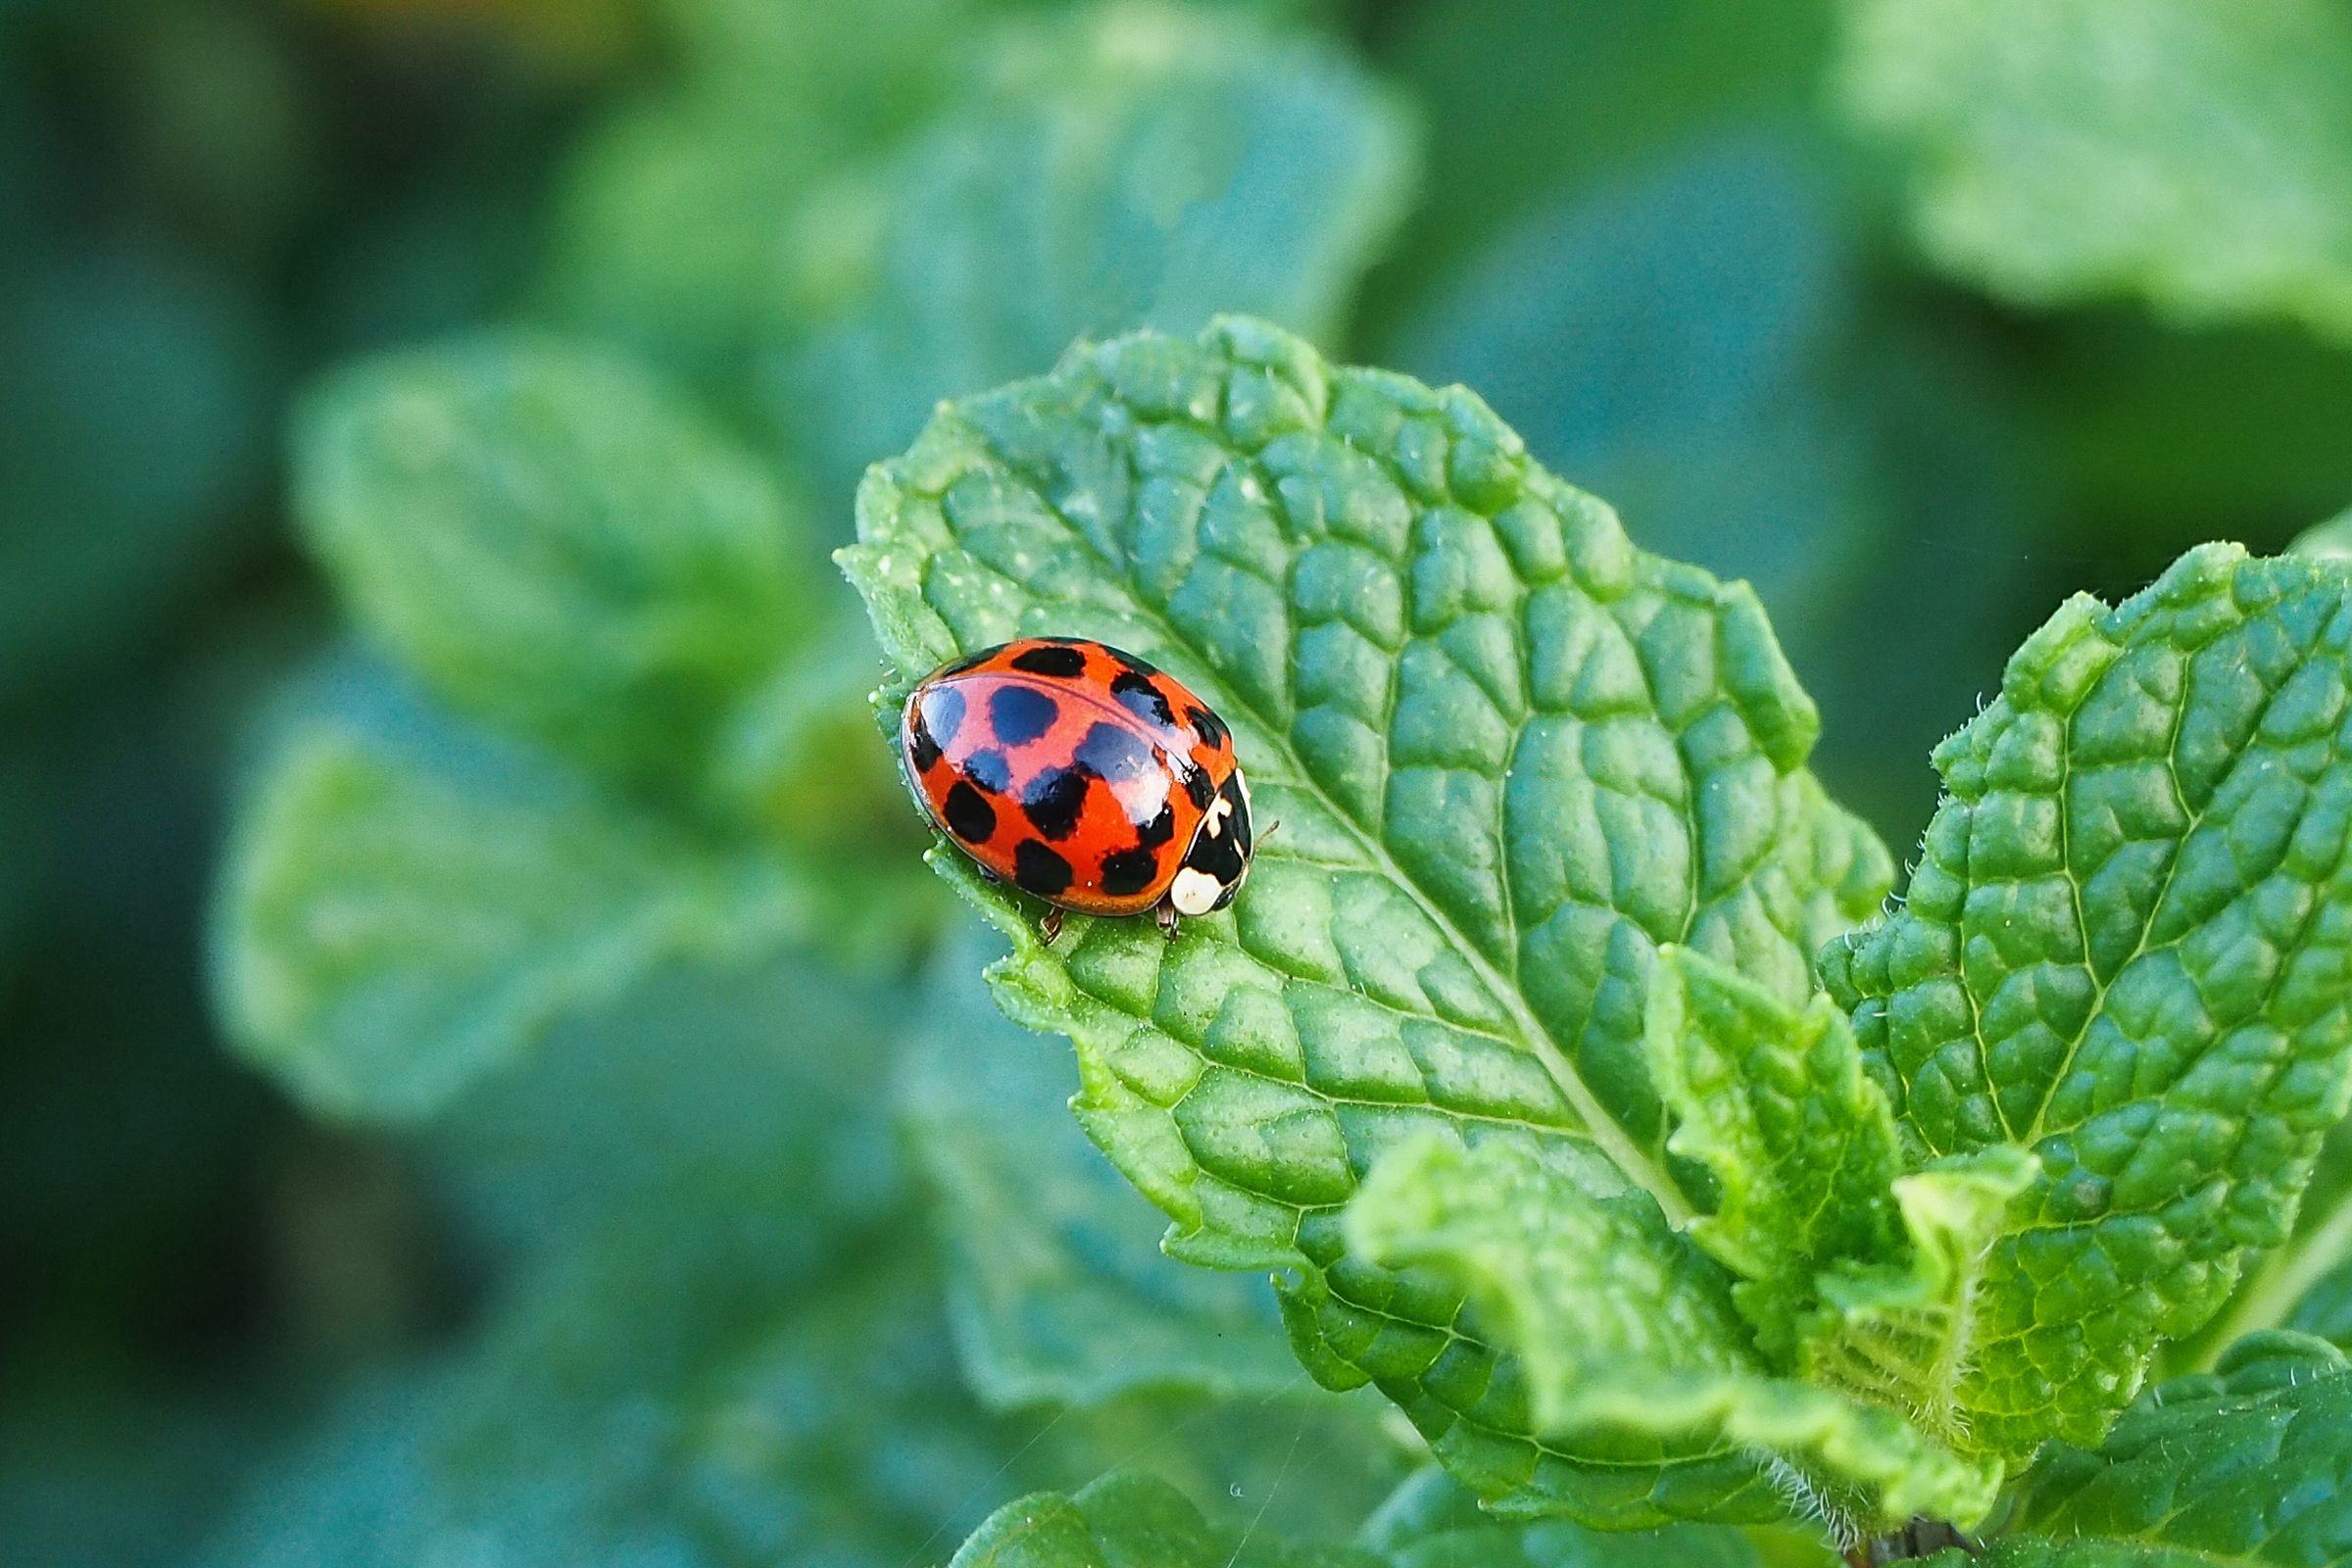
<point x="1114" y="754"/>
<point x="988" y="770"/>
<point x="923" y="752"/>
<point x="1141" y="697"/>
<point x="1208" y="725"/>
<point x="970" y="816"/>
<point x="1019" y="714"/>
<point x="1054" y="799"/>
<point x="1050" y="659"/>
<point x="1161" y="828"/>
<point x="1127" y="872"/>
<point x="1126" y="660"/>
<point x="1040" y="870"/>
<point x="942" y="713"/>
<point x="1197" y="785"/>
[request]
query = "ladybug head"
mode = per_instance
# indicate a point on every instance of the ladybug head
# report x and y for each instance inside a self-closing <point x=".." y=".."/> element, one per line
<point x="1219" y="856"/>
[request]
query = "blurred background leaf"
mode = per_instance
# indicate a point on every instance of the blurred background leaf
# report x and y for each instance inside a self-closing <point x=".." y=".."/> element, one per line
<point x="1141" y="166"/>
<point x="1056" y="1284"/>
<point x="2196" y="154"/>
<point x="402" y="920"/>
<point x="555" y="543"/>
<point x="1673" y="340"/>
<point x="633" y="1175"/>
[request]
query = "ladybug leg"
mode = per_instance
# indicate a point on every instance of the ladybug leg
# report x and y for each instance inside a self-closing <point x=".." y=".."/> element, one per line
<point x="1049" y="927"/>
<point x="1167" y="920"/>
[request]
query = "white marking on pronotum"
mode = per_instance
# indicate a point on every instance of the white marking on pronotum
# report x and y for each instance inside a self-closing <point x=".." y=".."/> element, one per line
<point x="1194" y="892"/>
<point x="1218" y="810"/>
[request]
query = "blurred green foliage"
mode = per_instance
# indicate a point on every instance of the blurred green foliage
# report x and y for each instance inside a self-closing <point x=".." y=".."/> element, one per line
<point x="610" y="1187"/>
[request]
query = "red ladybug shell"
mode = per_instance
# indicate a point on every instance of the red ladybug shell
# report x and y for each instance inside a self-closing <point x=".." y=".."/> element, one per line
<point x="1075" y="771"/>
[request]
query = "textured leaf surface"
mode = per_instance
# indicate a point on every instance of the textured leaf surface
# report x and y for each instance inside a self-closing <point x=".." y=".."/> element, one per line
<point x="2243" y="1466"/>
<point x="2305" y="1284"/>
<point x="1148" y="168"/>
<point x="1801" y="1144"/>
<point x="2194" y="153"/>
<point x="395" y="925"/>
<point x="1622" y="1329"/>
<point x="1056" y="1284"/>
<point x="1511" y="756"/>
<point x="1128" y="1521"/>
<point x="1433" y="1522"/>
<point x="1132" y="1521"/>
<point x="2125" y="948"/>
<point x="553" y="542"/>
<point x="1902" y="1333"/>
<point x="2036" y="1551"/>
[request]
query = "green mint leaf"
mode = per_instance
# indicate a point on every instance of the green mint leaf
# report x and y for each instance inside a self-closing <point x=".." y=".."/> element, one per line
<point x="1133" y="1521"/>
<point x="1056" y="1286"/>
<point x="671" y="1394"/>
<point x="2305" y="1284"/>
<point x="718" y="1340"/>
<point x="1621" y="1330"/>
<point x="2125" y="948"/>
<point x="2331" y="539"/>
<point x="2195" y="155"/>
<point x="676" y="213"/>
<point x="797" y="774"/>
<point x="1774" y="1103"/>
<point x="1128" y="1521"/>
<point x="393" y="927"/>
<point x="1495" y="810"/>
<point x="1903" y="1334"/>
<point x="702" y="1350"/>
<point x="553" y="542"/>
<point x="2038" y="1552"/>
<point x="1149" y="167"/>
<point x="1433" y="1522"/>
<point x="2242" y="1466"/>
<point x="1863" y="1279"/>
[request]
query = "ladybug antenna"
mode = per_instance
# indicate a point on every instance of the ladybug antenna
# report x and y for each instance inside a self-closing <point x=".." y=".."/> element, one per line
<point x="1270" y="829"/>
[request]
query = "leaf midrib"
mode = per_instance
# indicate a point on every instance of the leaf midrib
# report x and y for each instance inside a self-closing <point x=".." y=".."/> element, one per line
<point x="2195" y="821"/>
<point x="1599" y="1126"/>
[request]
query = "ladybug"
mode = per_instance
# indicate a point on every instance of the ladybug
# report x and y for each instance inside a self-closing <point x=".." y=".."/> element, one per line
<point x="1082" y="775"/>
